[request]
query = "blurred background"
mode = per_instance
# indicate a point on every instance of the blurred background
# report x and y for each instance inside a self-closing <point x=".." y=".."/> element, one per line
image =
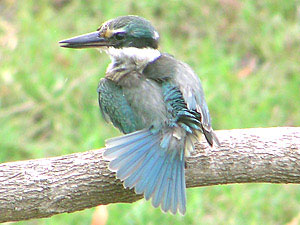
<point x="246" y="53"/>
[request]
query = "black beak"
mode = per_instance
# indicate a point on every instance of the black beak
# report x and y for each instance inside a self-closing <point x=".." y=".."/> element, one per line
<point x="91" y="40"/>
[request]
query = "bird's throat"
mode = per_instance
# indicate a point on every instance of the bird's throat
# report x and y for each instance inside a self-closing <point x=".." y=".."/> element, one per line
<point x="129" y="61"/>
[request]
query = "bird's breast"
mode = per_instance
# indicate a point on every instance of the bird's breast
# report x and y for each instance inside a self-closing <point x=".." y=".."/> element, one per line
<point x="146" y="100"/>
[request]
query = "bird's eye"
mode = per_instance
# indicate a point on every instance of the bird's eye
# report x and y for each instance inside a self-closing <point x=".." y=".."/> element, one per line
<point x="119" y="36"/>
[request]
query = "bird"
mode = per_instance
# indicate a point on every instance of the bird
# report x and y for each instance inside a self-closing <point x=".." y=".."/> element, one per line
<point x="156" y="101"/>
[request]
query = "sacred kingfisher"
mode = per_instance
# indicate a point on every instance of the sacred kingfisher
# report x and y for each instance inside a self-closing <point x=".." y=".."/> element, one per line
<point x="157" y="101"/>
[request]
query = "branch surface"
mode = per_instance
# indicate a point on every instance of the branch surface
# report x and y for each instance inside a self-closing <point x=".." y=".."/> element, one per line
<point x="45" y="187"/>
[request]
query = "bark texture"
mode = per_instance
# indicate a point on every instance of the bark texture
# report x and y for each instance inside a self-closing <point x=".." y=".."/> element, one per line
<point x="45" y="187"/>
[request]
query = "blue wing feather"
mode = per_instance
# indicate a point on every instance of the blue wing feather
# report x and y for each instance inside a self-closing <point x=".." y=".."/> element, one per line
<point x="114" y="105"/>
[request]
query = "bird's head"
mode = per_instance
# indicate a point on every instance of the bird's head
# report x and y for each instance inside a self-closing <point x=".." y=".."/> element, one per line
<point x="118" y="33"/>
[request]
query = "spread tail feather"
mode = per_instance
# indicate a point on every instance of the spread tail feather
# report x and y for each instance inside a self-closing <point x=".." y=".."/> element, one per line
<point x="140" y="161"/>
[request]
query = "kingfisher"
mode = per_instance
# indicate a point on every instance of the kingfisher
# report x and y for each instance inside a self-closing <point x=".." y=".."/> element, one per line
<point x="158" y="103"/>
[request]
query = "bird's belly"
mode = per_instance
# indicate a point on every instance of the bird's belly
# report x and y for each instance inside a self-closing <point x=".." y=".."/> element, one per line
<point x="146" y="101"/>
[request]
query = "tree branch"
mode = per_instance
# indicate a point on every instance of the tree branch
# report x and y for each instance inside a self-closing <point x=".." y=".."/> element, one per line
<point x="44" y="187"/>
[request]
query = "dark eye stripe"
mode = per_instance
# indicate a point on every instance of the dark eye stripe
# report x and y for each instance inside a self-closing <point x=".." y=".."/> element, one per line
<point x="119" y="36"/>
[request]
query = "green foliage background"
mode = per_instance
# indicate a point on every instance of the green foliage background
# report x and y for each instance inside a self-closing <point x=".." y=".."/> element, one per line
<point x="245" y="52"/>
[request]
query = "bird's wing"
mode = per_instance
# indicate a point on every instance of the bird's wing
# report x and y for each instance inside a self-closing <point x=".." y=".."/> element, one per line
<point x="114" y="106"/>
<point x="187" y="92"/>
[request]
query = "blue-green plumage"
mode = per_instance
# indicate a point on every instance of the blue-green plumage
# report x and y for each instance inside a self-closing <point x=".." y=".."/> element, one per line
<point x="111" y="93"/>
<point x="157" y="102"/>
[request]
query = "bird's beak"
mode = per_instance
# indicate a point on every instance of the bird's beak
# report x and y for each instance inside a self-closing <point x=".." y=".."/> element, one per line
<point x="91" y="40"/>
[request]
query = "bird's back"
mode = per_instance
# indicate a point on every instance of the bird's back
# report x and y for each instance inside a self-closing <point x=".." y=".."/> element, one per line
<point x="144" y="93"/>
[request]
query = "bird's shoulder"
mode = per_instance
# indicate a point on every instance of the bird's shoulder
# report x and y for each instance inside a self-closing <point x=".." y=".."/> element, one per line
<point x="161" y="69"/>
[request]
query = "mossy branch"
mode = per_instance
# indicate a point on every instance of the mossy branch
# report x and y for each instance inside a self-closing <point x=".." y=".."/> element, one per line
<point x="45" y="187"/>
